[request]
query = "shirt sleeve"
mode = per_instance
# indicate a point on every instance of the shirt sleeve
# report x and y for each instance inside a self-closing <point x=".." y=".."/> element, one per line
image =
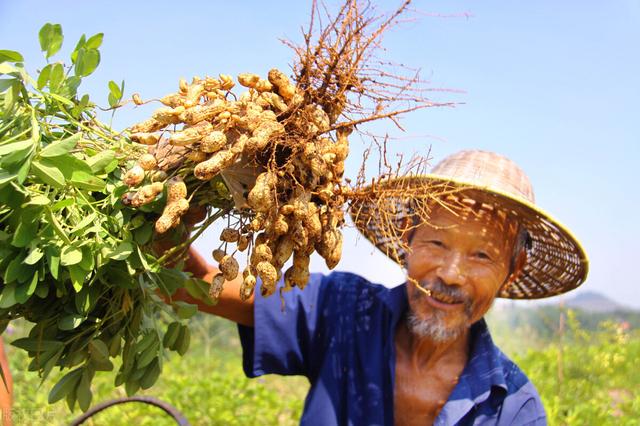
<point x="285" y="338"/>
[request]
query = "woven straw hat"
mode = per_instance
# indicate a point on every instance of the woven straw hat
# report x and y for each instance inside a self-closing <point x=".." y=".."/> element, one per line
<point x="555" y="260"/>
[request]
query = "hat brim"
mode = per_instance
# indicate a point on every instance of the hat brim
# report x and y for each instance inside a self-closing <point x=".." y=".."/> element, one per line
<point x="555" y="260"/>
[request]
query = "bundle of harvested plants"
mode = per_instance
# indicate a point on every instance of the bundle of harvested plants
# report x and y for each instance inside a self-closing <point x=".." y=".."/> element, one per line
<point x="82" y="206"/>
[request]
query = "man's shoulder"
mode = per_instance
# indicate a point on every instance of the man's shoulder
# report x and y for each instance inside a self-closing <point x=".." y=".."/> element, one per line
<point x="347" y="294"/>
<point x="515" y="378"/>
<point x="349" y="285"/>
<point x="346" y="280"/>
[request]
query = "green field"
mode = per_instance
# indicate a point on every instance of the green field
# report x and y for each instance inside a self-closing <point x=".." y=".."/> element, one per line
<point x="585" y="377"/>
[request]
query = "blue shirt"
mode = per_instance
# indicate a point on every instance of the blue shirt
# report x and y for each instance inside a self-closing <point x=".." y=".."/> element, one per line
<point x="339" y="333"/>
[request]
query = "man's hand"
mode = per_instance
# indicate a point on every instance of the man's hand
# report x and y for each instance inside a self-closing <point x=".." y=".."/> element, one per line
<point x="229" y="305"/>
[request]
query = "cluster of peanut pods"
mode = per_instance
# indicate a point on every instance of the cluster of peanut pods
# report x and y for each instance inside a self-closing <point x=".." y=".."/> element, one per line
<point x="290" y="206"/>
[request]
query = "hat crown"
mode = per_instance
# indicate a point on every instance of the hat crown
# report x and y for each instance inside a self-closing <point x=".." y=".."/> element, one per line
<point x="486" y="169"/>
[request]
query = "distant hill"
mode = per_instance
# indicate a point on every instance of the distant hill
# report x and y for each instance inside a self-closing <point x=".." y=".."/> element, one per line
<point x="591" y="301"/>
<point x="591" y="310"/>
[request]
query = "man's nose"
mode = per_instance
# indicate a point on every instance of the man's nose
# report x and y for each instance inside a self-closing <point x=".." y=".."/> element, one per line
<point x="451" y="270"/>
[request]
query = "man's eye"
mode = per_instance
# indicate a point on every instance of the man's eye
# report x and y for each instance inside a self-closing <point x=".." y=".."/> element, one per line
<point x="482" y="255"/>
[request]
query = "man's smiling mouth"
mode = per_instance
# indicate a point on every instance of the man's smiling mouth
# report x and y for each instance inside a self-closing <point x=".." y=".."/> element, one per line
<point x="442" y="298"/>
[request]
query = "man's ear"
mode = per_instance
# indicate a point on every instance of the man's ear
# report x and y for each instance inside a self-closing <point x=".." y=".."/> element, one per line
<point x="518" y="266"/>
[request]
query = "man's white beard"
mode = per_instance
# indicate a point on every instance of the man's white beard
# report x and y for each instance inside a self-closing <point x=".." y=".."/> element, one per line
<point x="434" y="328"/>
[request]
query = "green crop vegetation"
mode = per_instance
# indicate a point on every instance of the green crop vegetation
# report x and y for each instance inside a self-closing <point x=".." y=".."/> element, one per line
<point x="585" y="373"/>
<point x="207" y="386"/>
<point x="585" y="377"/>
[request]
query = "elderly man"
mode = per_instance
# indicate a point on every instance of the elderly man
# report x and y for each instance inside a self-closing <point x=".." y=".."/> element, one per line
<point x="419" y="353"/>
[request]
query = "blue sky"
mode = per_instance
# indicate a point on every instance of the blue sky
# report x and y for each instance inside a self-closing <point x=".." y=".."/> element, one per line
<point x="552" y="85"/>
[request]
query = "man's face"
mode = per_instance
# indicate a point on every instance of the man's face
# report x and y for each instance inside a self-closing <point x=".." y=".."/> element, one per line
<point x="463" y="261"/>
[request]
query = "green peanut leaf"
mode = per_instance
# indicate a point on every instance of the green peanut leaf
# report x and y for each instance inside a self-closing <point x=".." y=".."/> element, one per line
<point x="8" y="296"/>
<point x="185" y="310"/>
<point x="17" y="159"/>
<point x="131" y="387"/>
<point x="25" y="233"/>
<point x="71" y="398"/>
<point x="170" y="337"/>
<point x="98" y="350"/>
<point x="182" y="344"/>
<point x="16" y="271"/>
<point x="150" y="375"/>
<point x="87" y="61"/>
<point x="43" y="77"/>
<point x="122" y="251"/>
<point x="147" y="341"/>
<point x="50" y="39"/>
<point x="60" y="147"/>
<point x="199" y="289"/>
<point x="51" y="362"/>
<point x="81" y="43"/>
<point x="37" y="345"/>
<point x="86" y="221"/>
<point x="55" y="79"/>
<point x="70" y="255"/>
<point x="98" y="162"/>
<point x="15" y="146"/>
<point x="62" y="204"/>
<point x="71" y="321"/>
<point x="65" y="385"/>
<point x="10" y="56"/>
<point x="104" y="365"/>
<point x="53" y="260"/>
<point x="83" y="392"/>
<point x="115" y="345"/>
<point x="8" y="69"/>
<point x="115" y="93"/>
<point x="86" y="299"/>
<point x="25" y="290"/>
<point x="78" y="275"/>
<point x="95" y="41"/>
<point x="148" y="355"/>
<point x="48" y="174"/>
<point x="143" y="234"/>
<point x="88" y="262"/>
<point x="6" y="83"/>
<point x="6" y="176"/>
<point x="69" y="164"/>
<point x="34" y="256"/>
<point x="37" y="200"/>
<point x="115" y="89"/>
<point x="84" y="180"/>
<point x="42" y="289"/>
<point x="70" y="86"/>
